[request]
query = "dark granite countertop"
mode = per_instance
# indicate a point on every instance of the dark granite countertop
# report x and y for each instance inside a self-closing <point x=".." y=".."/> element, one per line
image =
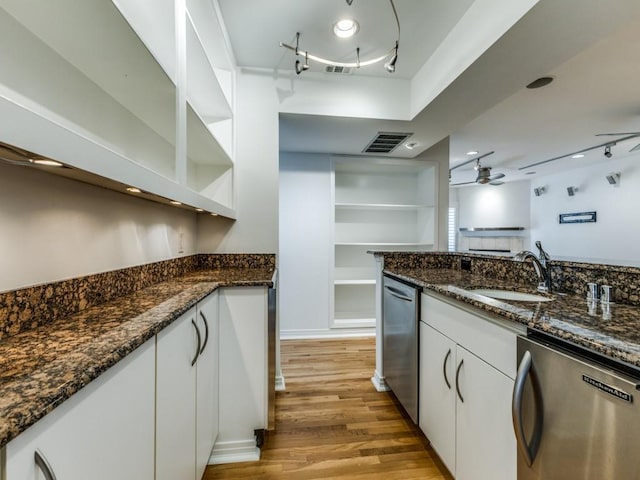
<point x="42" y="367"/>
<point x="611" y="330"/>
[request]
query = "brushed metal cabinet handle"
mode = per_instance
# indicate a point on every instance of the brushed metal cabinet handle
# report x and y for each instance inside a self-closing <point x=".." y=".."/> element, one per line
<point x="444" y="369"/>
<point x="206" y="332"/>
<point x="44" y="466"/>
<point x="193" y="362"/>
<point x="457" y="378"/>
<point x="525" y="369"/>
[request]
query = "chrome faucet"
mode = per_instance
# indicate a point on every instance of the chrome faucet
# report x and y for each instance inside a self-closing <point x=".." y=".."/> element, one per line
<point x="544" y="279"/>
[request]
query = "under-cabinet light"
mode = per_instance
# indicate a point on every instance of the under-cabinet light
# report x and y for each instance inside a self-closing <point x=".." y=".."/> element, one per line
<point x="199" y="210"/>
<point x="133" y="190"/>
<point x="173" y="202"/>
<point x="46" y="162"/>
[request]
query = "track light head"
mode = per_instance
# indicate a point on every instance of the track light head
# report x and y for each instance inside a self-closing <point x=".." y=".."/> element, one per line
<point x="613" y="179"/>
<point x="571" y="191"/>
<point x="390" y="66"/>
<point x="607" y="151"/>
<point x="539" y="191"/>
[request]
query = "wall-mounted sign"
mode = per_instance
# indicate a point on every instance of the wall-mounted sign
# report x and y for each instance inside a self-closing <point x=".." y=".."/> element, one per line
<point x="581" y="217"/>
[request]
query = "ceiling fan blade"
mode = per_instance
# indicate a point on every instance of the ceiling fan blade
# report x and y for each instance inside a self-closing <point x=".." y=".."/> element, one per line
<point x="463" y="183"/>
<point x="636" y="148"/>
<point x="616" y="134"/>
<point x="496" y="183"/>
<point x="496" y="176"/>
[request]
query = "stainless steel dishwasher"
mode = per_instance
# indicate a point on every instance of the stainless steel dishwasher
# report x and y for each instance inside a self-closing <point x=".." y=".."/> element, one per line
<point x="574" y="413"/>
<point x="400" y="342"/>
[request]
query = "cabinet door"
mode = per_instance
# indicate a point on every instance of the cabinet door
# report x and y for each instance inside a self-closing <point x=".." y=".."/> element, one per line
<point x="176" y="348"/>
<point x="103" y="432"/>
<point x="486" y="445"/>
<point x="437" y="393"/>
<point x="207" y="383"/>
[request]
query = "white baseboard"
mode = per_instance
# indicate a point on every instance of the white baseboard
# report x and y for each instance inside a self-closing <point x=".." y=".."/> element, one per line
<point x="234" y="452"/>
<point x="379" y="383"/>
<point x="280" y="385"/>
<point x="327" y="333"/>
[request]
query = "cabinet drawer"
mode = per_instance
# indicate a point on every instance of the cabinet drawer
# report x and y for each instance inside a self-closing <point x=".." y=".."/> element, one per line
<point x="493" y="343"/>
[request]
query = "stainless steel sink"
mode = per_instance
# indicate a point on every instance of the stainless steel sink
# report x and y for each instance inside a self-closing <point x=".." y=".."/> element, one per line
<point x="499" y="294"/>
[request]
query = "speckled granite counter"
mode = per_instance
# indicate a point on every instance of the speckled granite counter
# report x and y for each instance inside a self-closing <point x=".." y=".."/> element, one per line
<point x="613" y="331"/>
<point x="43" y="366"/>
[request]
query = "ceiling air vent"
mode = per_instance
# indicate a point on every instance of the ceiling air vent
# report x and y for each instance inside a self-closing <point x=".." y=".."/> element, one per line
<point x="336" y="69"/>
<point x="386" y="142"/>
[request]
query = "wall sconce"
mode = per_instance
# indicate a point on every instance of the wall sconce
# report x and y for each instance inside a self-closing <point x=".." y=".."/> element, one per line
<point x="613" y="179"/>
<point x="571" y="191"/>
<point x="539" y="191"/>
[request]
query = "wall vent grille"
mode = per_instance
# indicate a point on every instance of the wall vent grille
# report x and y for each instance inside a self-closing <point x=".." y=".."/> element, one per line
<point x="386" y="142"/>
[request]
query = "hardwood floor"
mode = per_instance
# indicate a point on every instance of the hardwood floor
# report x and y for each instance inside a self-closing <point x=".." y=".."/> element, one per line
<point x="331" y="423"/>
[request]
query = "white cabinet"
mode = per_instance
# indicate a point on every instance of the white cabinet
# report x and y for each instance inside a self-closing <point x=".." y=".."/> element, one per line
<point x="187" y="392"/>
<point x="207" y="415"/>
<point x="379" y="204"/>
<point x="104" y="432"/>
<point x="437" y="409"/>
<point x="243" y="373"/>
<point x="177" y="348"/>
<point x="140" y="100"/>
<point x="467" y="365"/>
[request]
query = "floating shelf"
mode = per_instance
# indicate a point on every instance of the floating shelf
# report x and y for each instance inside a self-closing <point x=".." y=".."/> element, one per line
<point x="378" y="206"/>
<point x="491" y="229"/>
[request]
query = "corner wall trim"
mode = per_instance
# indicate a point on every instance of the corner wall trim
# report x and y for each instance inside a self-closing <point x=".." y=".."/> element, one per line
<point x="234" y="452"/>
<point x="379" y="383"/>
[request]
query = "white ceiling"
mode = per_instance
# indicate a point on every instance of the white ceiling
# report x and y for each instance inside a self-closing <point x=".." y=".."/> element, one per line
<point x="589" y="47"/>
<point x="256" y="28"/>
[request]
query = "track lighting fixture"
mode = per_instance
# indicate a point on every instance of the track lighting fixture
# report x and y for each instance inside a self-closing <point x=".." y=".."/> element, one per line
<point x="613" y="179"/>
<point x="539" y="191"/>
<point x="607" y="151"/>
<point x="571" y="191"/>
<point x="391" y="64"/>
<point x="339" y="29"/>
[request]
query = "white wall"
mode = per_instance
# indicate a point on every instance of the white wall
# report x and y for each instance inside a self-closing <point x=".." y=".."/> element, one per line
<point x="54" y="228"/>
<point x="506" y="205"/>
<point x="614" y="237"/>
<point x="255" y="176"/>
<point x="305" y="242"/>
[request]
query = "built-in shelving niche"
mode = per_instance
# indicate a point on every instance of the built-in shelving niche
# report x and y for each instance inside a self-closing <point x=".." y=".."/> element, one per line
<point x="379" y="204"/>
<point x="87" y="91"/>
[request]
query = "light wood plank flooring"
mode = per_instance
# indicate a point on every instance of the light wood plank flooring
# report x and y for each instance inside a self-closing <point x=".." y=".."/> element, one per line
<point x="331" y="423"/>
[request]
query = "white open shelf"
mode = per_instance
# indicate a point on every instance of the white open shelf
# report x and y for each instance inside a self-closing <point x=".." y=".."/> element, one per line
<point x="379" y="204"/>
<point x="91" y="80"/>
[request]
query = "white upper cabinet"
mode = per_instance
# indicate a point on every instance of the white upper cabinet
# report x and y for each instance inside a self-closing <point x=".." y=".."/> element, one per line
<point x="117" y="90"/>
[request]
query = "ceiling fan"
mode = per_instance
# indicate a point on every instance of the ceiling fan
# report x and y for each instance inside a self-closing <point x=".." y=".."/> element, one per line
<point x="484" y="173"/>
<point x="607" y="146"/>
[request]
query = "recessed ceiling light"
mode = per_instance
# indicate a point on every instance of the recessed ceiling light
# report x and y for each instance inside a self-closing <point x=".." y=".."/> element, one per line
<point x="133" y="190"/>
<point x="345" y="28"/>
<point x="45" y="161"/>
<point x="472" y="152"/>
<point x="411" y="145"/>
<point x="578" y="155"/>
<point x="173" y="202"/>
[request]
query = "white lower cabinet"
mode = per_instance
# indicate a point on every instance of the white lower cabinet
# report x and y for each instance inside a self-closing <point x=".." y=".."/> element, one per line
<point x="104" y="432"/>
<point x="186" y="393"/>
<point x="207" y="379"/>
<point x="465" y="400"/>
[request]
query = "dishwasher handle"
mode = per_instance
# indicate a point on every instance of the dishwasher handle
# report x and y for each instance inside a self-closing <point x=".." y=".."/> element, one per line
<point x="525" y="369"/>
<point x="398" y="294"/>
